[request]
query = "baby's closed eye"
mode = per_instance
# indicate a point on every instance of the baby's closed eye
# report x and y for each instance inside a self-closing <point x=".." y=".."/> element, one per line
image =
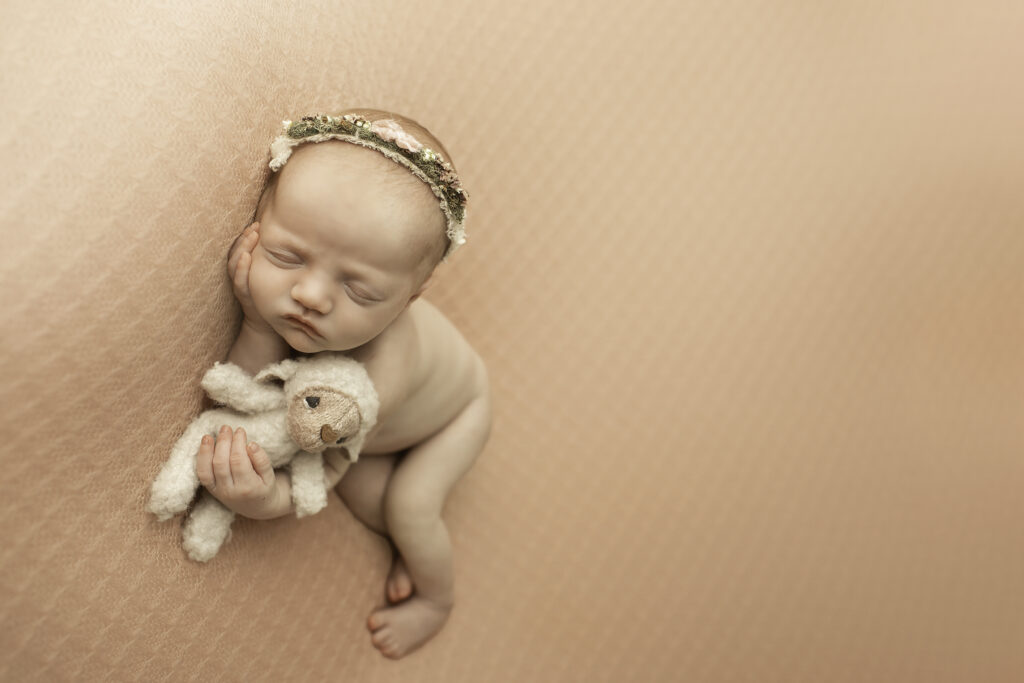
<point x="359" y="293"/>
<point x="288" y="259"/>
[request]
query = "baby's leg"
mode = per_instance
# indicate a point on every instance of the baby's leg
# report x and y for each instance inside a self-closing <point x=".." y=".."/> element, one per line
<point x="412" y="506"/>
<point x="362" y="488"/>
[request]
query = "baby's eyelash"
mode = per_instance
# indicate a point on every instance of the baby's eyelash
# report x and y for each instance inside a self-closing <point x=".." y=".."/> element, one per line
<point x="285" y="258"/>
<point x="361" y="296"/>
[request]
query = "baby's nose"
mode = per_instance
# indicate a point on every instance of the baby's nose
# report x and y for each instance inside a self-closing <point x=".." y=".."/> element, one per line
<point x="310" y="293"/>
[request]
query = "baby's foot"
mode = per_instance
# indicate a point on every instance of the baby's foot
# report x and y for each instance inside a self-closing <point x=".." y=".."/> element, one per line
<point x="399" y="583"/>
<point x="397" y="631"/>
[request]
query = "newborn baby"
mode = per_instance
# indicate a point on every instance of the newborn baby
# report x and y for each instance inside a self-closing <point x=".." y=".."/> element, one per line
<point x="345" y="242"/>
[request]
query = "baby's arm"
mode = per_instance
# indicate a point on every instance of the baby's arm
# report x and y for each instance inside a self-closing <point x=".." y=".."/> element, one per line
<point x="282" y="501"/>
<point x="253" y="350"/>
<point x="257" y="345"/>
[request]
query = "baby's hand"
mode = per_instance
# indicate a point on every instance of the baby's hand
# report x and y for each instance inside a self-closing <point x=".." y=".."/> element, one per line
<point x="239" y="262"/>
<point x="240" y="477"/>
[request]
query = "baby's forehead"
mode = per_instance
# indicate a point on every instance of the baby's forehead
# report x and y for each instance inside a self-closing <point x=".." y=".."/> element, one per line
<point x="344" y="164"/>
<point x="336" y="166"/>
<point x="339" y="174"/>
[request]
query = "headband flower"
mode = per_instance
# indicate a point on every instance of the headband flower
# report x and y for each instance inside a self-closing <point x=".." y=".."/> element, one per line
<point x="389" y="129"/>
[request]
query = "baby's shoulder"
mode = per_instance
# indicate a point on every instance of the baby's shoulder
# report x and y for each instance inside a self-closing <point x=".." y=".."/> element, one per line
<point x="437" y="340"/>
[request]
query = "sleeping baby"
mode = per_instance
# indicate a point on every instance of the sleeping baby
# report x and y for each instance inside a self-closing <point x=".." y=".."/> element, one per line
<point x="346" y="238"/>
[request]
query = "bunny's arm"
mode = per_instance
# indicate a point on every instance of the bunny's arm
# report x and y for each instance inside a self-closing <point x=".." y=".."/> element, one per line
<point x="308" y="483"/>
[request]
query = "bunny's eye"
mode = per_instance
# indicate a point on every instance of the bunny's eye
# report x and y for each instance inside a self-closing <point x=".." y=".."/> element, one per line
<point x="312" y="401"/>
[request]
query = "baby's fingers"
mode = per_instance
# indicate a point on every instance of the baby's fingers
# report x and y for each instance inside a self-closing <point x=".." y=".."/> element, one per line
<point x="221" y="455"/>
<point x="261" y="463"/>
<point x="241" y="466"/>
<point x="244" y="243"/>
<point x="240" y="279"/>
<point x="204" y="463"/>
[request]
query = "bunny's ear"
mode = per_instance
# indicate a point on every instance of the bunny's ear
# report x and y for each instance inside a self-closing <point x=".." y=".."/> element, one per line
<point x="232" y="386"/>
<point x="283" y="371"/>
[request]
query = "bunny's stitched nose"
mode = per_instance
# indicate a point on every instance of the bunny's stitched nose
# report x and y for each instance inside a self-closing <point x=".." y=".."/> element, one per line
<point x="328" y="434"/>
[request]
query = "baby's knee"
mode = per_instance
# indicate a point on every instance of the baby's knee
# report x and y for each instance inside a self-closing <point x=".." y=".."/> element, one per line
<point x="407" y="511"/>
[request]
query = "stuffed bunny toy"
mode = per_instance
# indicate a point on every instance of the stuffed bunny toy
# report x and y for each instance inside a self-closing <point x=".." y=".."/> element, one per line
<point x="327" y="401"/>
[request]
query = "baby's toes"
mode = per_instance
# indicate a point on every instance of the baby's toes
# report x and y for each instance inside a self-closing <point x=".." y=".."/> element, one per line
<point x="384" y="640"/>
<point x="399" y="583"/>
<point x="399" y="588"/>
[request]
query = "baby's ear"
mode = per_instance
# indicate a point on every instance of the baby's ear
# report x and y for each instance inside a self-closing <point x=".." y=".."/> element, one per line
<point x="423" y="288"/>
<point x="283" y="371"/>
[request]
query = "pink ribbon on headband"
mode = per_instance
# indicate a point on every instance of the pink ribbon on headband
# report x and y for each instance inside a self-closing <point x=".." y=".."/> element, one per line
<point x="388" y="129"/>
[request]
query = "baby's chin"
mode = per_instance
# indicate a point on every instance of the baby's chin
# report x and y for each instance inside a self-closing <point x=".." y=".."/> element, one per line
<point x="303" y="343"/>
<point x="300" y="341"/>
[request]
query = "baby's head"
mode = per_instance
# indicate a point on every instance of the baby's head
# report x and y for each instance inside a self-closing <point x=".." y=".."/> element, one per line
<point x="348" y="238"/>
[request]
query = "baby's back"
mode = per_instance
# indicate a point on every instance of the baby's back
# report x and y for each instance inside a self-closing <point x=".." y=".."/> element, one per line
<point x="425" y="373"/>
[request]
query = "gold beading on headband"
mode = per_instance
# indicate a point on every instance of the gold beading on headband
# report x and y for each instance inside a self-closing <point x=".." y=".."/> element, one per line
<point x="387" y="137"/>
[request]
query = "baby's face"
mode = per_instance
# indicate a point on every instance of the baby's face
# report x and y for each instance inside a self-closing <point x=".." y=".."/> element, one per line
<point x="341" y="248"/>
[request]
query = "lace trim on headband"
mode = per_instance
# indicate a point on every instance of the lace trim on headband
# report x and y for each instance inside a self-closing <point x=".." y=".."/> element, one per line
<point x="387" y="137"/>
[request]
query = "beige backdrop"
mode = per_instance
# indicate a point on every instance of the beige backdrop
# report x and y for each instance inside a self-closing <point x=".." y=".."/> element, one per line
<point x="748" y="277"/>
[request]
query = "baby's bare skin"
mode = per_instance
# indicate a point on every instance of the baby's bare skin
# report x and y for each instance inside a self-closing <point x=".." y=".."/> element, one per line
<point x="425" y="373"/>
<point x="435" y="407"/>
<point x="335" y="264"/>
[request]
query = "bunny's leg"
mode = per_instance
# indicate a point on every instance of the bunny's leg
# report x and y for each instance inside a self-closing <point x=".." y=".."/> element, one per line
<point x="207" y="527"/>
<point x="309" y="486"/>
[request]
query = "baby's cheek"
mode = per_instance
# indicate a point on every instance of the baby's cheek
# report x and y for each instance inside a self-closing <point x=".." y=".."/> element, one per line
<point x="260" y="282"/>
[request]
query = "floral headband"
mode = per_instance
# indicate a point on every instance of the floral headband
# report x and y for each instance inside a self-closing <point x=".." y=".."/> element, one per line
<point x="387" y="137"/>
